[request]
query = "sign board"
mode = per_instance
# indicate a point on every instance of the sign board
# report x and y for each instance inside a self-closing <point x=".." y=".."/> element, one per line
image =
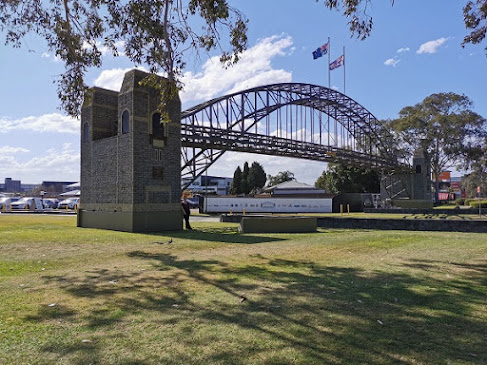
<point x="444" y="176"/>
<point x="478" y="189"/>
<point x="443" y="196"/>
<point x="456" y="185"/>
<point x="267" y="205"/>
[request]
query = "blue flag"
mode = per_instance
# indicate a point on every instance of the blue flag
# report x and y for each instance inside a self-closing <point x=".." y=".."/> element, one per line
<point x="323" y="50"/>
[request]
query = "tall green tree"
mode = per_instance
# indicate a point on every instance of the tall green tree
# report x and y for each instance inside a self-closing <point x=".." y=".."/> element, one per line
<point x="244" y="183"/>
<point x="251" y="179"/>
<point x="444" y="126"/>
<point x="471" y="181"/>
<point x="281" y="177"/>
<point x="257" y="177"/>
<point x="237" y="179"/>
<point x="338" y="178"/>
<point x="153" y="33"/>
<point x="476" y="163"/>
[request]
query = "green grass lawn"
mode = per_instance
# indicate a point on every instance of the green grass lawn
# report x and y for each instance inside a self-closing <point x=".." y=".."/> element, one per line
<point x="215" y="296"/>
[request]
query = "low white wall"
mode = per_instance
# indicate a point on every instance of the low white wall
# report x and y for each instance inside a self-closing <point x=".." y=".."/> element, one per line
<point x="266" y="205"/>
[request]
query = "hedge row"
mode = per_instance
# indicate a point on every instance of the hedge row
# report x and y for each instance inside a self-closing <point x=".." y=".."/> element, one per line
<point x="475" y="203"/>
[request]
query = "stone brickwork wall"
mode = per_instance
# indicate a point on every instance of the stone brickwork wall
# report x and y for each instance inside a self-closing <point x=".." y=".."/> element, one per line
<point x="440" y="225"/>
<point x="433" y="212"/>
<point x="104" y="107"/>
<point x="421" y="177"/>
<point x="129" y="181"/>
<point x="415" y="185"/>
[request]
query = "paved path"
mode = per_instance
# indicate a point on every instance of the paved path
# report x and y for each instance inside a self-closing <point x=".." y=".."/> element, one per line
<point x="204" y="218"/>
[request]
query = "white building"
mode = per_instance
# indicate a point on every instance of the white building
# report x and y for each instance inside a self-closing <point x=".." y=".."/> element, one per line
<point x="210" y="185"/>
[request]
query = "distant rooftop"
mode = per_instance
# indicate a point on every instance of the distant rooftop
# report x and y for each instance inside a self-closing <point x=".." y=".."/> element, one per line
<point x="293" y="185"/>
<point x="76" y="185"/>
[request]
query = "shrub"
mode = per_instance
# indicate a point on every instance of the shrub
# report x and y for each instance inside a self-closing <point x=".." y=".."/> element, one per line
<point x="475" y="204"/>
<point x="460" y="201"/>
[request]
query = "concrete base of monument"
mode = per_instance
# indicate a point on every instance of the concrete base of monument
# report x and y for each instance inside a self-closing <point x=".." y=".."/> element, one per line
<point x="139" y="222"/>
<point x="413" y="203"/>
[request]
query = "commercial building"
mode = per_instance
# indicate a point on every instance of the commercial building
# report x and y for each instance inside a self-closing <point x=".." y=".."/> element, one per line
<point x="12" y="186"/>
<point x="210" y="185"/>
<point x="16" y="186"/>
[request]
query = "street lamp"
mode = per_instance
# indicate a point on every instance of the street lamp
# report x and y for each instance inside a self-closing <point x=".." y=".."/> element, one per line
<point x="207" y="158"/>
<point x="206" y="189"/>
<point x="42" y="193"/>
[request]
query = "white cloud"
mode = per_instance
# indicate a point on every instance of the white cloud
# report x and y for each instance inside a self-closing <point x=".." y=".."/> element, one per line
<point x="112" y="79"/>
<point x="271" y="76"/>
<point x="7" y="150"/>
<point x="54" y="122"/>
<point x="51" y="58"/>
<point x="54" y="164"/>
<point x="60" y="160"/>
<point x="253" y="69"/>
<point x="120" y="45"/>
<point x="431" y="46"/>
<point x="392" y="62"/>
<point x="403" y="49"/>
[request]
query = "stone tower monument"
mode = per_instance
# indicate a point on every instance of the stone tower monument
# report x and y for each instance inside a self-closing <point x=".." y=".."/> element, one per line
<point x="414" y="185"/>
<point x="130" y="160"/>
<point x="421" y="178"/>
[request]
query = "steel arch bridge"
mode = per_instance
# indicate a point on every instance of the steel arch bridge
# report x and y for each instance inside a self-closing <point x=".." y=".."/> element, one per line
<point x="288" y="119"/>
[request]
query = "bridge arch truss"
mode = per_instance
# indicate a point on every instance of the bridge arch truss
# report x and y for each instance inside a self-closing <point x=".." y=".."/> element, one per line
<point x="290" y="119"/>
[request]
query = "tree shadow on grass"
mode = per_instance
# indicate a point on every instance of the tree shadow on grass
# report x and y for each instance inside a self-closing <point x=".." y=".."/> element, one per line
<point x="51" y="312"/>
<point x="277" y="311"/>
<point x="220" y="234"/>
<point x="454" y="215"/>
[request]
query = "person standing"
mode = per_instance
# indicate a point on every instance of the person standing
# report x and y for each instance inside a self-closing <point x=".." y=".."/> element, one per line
<point x="186" y="212"/>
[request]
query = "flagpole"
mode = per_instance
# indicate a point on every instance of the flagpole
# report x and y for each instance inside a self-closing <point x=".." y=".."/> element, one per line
<point x="344" y="70"/>
<point x="329" y="86"/>
<point x="329" y="51"/>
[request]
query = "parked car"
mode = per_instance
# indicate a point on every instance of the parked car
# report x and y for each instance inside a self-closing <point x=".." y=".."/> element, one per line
<point x="24" y="203"/>
<point x="70" y="203"/>
<point x="50" y="203"/>
<point x="6" y="201"/>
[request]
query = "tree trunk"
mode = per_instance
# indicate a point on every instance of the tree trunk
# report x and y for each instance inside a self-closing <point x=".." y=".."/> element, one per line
<point x="437" y="188"/>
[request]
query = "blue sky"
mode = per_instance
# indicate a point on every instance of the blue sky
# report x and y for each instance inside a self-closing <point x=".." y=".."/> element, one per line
<point x="414" y="51"/>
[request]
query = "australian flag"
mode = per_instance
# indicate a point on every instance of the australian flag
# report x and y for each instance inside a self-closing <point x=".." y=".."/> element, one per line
<point x="323" y="50"/>
<point x="340" y="61"/>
